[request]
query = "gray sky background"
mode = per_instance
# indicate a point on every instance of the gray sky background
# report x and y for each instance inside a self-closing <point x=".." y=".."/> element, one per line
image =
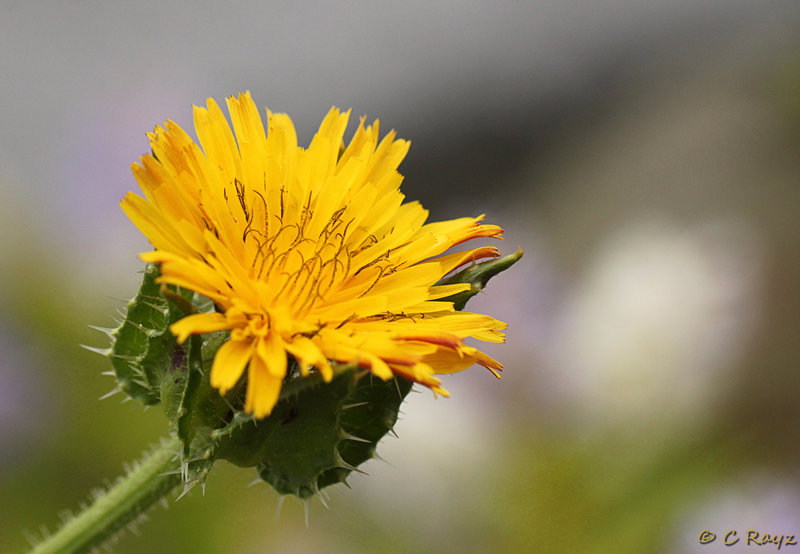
<point x="83" y="81"/>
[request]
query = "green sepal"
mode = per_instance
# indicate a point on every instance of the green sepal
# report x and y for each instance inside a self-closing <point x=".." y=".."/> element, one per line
<point x="371" y="411"/>
<point x="317" y="433"/>
<point x="152" y="367"/>
<point x="211" y="409"/>
<point x="477" y="276"/>
<point x="189" y="399"/>
<point x="144" y="354"/>
<point x="173" y="387"/>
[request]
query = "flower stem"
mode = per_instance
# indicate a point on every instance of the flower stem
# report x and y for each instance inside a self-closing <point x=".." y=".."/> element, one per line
<point x="130" y="497"/>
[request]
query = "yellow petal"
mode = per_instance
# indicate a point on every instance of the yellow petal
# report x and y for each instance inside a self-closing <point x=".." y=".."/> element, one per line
<point x="198" y="324"/>
<point x="263" y="389"/>
<point x="229" y="363"/>
<point x="271" y="352"/>
<point x="308" y="354"/>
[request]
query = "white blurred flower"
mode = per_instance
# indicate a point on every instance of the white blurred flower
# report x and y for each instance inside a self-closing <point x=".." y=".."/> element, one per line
<point x="659" y="315"/>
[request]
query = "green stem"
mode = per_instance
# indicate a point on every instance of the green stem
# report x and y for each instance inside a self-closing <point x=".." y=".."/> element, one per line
<point x="151" y="480"/>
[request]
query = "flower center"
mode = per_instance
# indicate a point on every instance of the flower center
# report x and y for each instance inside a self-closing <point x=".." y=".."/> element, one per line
<point x="303" y="260"/>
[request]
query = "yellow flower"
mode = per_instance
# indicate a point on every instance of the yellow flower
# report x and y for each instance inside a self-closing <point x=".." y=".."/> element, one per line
<point x="306" y="252"/>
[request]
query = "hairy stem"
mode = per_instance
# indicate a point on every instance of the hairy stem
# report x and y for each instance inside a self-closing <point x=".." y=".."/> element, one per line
<point x="132" y="495"/>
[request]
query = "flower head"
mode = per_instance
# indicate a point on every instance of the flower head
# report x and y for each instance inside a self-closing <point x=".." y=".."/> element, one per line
<point x="309" y="253"/>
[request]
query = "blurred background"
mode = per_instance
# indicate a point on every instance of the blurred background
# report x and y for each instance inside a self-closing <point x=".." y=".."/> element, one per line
<point x="644" y="154"/>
